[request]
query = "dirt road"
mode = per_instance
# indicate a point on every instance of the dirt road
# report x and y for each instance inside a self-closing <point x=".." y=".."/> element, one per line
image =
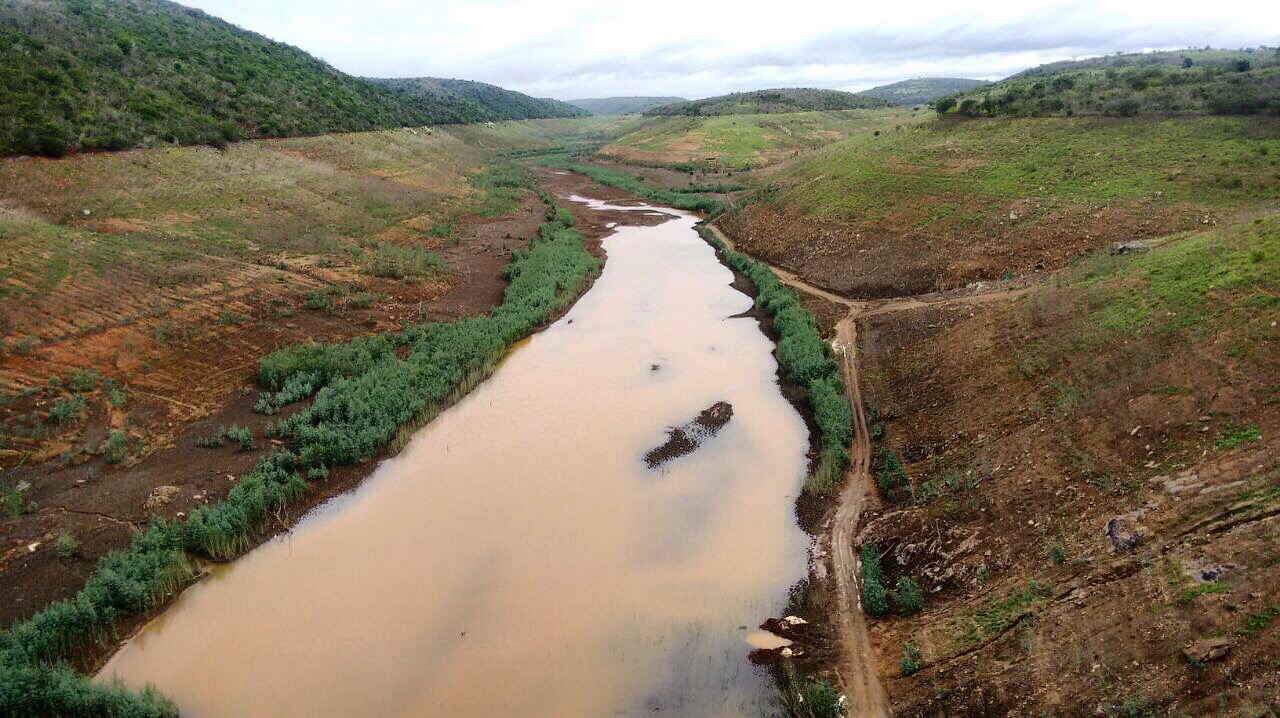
<point x="857" y="669"/>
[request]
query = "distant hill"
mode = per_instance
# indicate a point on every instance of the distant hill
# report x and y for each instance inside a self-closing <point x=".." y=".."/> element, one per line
<point x="471" y="101"/>
<point x="622" y="105"/>
<point x="111" y="74"/>
<point x="793" y="99"/>
<point x="921" y="90"/>
<point x="1227" y="82"/>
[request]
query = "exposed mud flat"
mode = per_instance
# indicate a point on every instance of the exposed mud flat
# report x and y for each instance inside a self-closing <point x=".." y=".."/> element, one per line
<point x="686" y="438"/>
<point x="516" y="558"/>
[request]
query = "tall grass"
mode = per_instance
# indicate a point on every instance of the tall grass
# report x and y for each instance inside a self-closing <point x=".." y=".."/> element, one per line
<point x="807" y="360"/>
<point x="363" y="394"/>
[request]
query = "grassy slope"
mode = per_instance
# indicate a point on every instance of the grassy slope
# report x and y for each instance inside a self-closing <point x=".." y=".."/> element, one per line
<point x="741" y="141"/>
<point x="93" y="74"/>
<point x="474" y="101"/>
<point x="921" y="90"/>
<point x="1217" y="81"/>
<point x="1029" y="426"/>
<point x="790" y="99"/>
<point x="945" y="203"/>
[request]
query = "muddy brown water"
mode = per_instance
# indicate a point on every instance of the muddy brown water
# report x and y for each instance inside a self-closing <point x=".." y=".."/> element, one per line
<point x="517" y="557"/>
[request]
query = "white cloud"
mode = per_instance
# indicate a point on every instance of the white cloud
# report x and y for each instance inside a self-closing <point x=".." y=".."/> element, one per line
<point x="581" y="48"/>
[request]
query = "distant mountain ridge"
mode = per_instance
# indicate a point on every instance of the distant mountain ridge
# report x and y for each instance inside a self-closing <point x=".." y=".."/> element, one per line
<point x="622" y="105"/>
<point x="922" y="89"/>
<point x="787" y="99"/>
<point x="113" y="74"/>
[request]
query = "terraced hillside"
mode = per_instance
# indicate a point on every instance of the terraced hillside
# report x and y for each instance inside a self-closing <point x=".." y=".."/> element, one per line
<point x="939" y="205"/>
<point x="1081" y="482"/>
<point x="169" y="271"/>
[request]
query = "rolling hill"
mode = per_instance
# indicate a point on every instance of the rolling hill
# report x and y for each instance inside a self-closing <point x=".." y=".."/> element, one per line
<point x="472" y="101"/>
<point x="790" y="99"/>
<point x="1223" y="82"/>
<point x="622" y="105"/>
<point x="101" y="75"/>
<point x="921" y="89"/>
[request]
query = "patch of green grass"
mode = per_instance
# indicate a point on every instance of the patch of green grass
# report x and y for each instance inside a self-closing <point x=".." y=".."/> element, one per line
<point x="1235" y="435"/>
<point x="1189" y="595"/>
<point x="1258" y="622"/>
<point x="996" y="615"/>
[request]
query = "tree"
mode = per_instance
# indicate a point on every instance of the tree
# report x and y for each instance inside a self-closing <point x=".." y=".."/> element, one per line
<point x="1186" y="62"/>
<point x="944" y="105"/>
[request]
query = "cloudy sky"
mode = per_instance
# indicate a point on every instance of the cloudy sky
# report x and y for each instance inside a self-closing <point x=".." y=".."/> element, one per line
<point x="696" y="48"/>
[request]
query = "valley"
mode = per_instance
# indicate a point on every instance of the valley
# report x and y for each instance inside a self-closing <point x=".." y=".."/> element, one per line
<point x="324" y="394"/>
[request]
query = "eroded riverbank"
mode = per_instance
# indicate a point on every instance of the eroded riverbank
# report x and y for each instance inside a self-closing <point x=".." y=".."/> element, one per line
<point x="518" y="555"/>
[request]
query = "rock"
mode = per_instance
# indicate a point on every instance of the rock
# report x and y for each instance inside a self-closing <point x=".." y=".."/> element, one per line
<point x="795" y="620"/>
<point x="1123" y="533"/>
<point x="1207" y="649"/>
<point x="1120" y="568"/>
<point x="1134" y="247"/>
<point x="160" y="496"/>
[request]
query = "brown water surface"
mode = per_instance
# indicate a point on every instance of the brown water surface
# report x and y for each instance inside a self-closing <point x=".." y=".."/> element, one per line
<point x="518" y="558"/>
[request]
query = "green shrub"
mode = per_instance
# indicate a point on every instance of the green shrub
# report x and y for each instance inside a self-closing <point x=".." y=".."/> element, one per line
<point x="820" y="699"/>
<point x="84" y="380"/>
<point x="910" y="662"/>
<point x="906" y="596"/>
<point x="874" y="596"/>
<point x="66" y="544"/>
<point x="891" y="476"/>
<point x="14" y="503"/>
<point x="214" y="440"/>
<point x="67" y="409"/>
<point x="242" y="436"/>
<point x="1057" y="553"/>
<point x="117" y="447"/>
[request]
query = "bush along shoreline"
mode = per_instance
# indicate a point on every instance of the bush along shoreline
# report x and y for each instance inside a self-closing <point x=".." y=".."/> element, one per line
<point x="365" y="398"/>
<point x="807" y="360"/>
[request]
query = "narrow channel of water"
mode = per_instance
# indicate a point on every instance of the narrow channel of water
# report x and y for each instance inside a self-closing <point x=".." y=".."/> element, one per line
<point x="517" y="557"/>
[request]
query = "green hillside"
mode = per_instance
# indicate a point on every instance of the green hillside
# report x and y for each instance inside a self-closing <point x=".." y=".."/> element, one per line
<point x="472" y="101"/>
<point x="1225" y="82"/>
<point x="609" y="106"/>
<point x="791" y="99"/>
<point x="921" y="89"/>
<point x="112" y="74"/>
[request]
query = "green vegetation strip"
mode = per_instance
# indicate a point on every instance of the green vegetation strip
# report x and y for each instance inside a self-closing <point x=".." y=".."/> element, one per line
<point x="615" y="178"/>
<point x="364" y="394"/>
<point x="807" y="360"/>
